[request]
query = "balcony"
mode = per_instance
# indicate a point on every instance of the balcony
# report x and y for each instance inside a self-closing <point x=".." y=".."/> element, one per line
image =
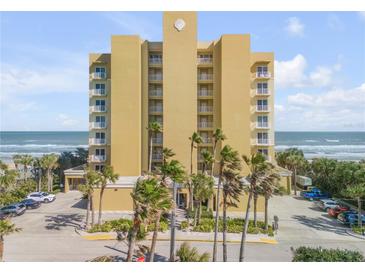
<point x="97" y="158"/>
<point x="205" y="109"/>
<point x="263" y="75"/>
<point x="262" y="125"/>
<point x="262" y="108"/>
<point x="156" y="157"/>
<point x="97" y="141"/>
<point x="97" y="92"/>
<point x="97" y="109"/>
<point x="155" y="77"/>
<point x="155" y="61"/>
<point x="205" y="77"/>
<point x="98" y="75"/>
<point x="205" y="93"/>
<point x="97" y="125"/>
<point x="203" y="125"/>
<point x="261" y="142"/>
<point x="205" y="60"/>
<point x="262" y="91"/>
<point x="155" y="109"/>
<point x="207" y="140"/>
<point x="155" y="93"/>
<point x="157" y="141"/>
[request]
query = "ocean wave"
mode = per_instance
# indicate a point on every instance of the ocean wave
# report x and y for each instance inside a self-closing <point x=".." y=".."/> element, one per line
<point x="41" y="146"/>
<point x="323" y="147"/>
<point x="311" y="141"/>
<point x="332" y="141"/>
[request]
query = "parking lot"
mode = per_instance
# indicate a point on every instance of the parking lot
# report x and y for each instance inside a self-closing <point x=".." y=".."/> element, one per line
<point x="48" y="233"/>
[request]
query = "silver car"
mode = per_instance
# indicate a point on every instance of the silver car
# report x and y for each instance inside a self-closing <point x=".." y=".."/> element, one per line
<point x="13" y="210"/>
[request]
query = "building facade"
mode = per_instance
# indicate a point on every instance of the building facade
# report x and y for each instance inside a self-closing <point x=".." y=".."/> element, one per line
<point x="185" y="85"/>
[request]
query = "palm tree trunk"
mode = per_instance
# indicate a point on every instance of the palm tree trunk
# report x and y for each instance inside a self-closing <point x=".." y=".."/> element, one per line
<point x="245" y="227"/>
<point x="266" y="213"/>
<point x="51" y="179"/>
<point x="25" y="173"/>
<point x="154" y="237"/>
<point x="132" y="237"/>
<point x="191" y="198"/>
<point x="150" y="158"/>
<point x="216" y="219"/>
<point x="195" y="216"/>
<point x="101" y="204"/>
<point x="199" y="212"/>
<point x="87" y="212"/>
<point x="1" y="248"/>
<point x="214" y="151"/>
<point x="295" y="181"/>
<point x="255" y="198"/>
<point x="224" y="228"/>
<point x="39" y="179"/>
<point x="172" y="224"/>
<point x="48" y="180"/>
<point x="359" y="212"/>
<point x="92" y="210"/>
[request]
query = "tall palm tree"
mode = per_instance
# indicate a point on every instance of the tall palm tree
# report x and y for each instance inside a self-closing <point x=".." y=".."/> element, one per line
<point x="38" y="172"/>
<point x="16" y="160"/>
<point x="203" y="188"/>
<point x="153" y="128"/>
<point x="208" y="159"/>
<point x="218" y="136"/>
<point x="257" y="165"/>
<point x="6" y="228"/>
<point x="356" y="192"/>
<point x="268" y="184"/>
<point x="161" y="202"/>
<point x="294" y="162"/>
<point x="92" y="179"/>
<point x="195" y="140"/>
<point x="167" y="153"/>
<point x="26" y="162"/>
<point x="232" y="189"/>
<point x="228" y="158"/>
<point x="107" y="176"/>
<point x="49" y="162"/>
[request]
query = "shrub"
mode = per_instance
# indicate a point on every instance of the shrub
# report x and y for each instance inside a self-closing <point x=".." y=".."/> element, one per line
<point x="308" y="254"/>
<point x="188" y="254"/>
<point x="184" y="225"/>
<point x="164" y="225"/>
<point x="359" y="230"/>
<point x="206" y="225"/>
<point x="206" y="213"/>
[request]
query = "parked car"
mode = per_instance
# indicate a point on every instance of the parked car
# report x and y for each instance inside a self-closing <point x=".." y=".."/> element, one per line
<point x="353" y="219"/>
<point x="310" y="190"/>
<point x="43" y="197"/>
<point x="3" y="216"/>
<point x="30" y="203"/>
<point x="327" y="204"/>
<point x="333" y="212"/>
<point x="13" y="210"/>
<point x="315" y="195"/>
<point x="343" y="217"/>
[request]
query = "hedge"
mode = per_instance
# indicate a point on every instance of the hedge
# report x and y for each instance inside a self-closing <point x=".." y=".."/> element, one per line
<point x="308" y="254"/>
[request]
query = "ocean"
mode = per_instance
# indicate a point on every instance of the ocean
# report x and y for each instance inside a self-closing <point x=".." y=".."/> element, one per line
<point x="334" y="145"/>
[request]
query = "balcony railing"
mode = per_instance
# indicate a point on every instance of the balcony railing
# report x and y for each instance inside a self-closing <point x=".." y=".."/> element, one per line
<point x="205" y="124"/>
<point x="98" y="75"/>
<point x="205" y="77"/>
<point x="157" y="141"/>
<point x="97" y="125"/>
<point x="262" y="91"/>
<point x="155" y="77"/>
<point x="155" y="61"/>
<point x="262" y="108"/>
<point x="155" y="109"/>
<point x="263" y="74"/>
<point x="98" y="158"/>
<point x="98" y="109"/>
<point x="156" y="156"/>
<point x="205" y="108"/>
<point x="205" y="92"/>
<point x="207" y="140"/>
<point x="262" y="141"/>
<point x="97" y="141"/>
<point x="155" y="92"/>
<point x="205" y="60"/>
<point x="262" y="124"/>
<point x="98" y="92"/>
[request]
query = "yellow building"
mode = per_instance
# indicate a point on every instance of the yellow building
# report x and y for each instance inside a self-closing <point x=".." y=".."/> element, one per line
<point x="185" y="85"/>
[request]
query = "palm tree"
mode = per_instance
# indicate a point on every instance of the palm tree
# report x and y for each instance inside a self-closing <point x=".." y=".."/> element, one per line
<point x="218" y="136"/>
<point x="232" y="189"/>
<point x="195" y="139"/>
<point x="49" y="163"/>
<point x="26" y="161"/>
<point x="228" y="158"/>
<point x="160" y="200"/>
<point x="167" y="153"/>
<point x="153" y="128"/>
<point x="203" y="188"/>
<point x="107" y="176"/>
<point x="188" y="254"/>
<point x="37" y="171"/>
<point x="356" y="192"/>
<point x="6" y="228"/>
<point x="92" y="179"/>
<point x="208" y="159"/>
<point x="7" y="178"/>
<point x="257" y="165"/>
<point x="16" y="160"/>
<point x="268" y="184"/>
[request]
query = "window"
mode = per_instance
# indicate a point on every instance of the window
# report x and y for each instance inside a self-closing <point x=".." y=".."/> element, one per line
<point x="264" y="151"/>
<point x="99" y="86"/>
<point x="262" y="69"/>
<point x="262" y="104"/>
<point x="100" y="135"/>
<point x="100" y="152"/>
<point x="100" y="102"/>
<point x="262" y="121"/>
<point x="99" y="168"/>
<point x="262" y="138"/>
<point x="100" y="119"/>
<point x="99" y="70"/>
<point x="262" y="87"/>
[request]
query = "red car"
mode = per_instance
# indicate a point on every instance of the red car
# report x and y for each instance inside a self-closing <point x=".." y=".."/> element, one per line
<point x="333" y="212"/>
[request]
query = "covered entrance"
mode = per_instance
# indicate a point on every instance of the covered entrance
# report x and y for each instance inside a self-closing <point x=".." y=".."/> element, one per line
<point x="74" y="177"/>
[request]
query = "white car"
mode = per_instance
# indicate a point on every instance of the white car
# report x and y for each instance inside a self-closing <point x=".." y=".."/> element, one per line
<point x="43" y="197"/>
<point x="327" y="204"/>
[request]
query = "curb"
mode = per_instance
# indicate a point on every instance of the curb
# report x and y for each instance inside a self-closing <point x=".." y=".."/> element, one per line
<point x="353" y="234"/>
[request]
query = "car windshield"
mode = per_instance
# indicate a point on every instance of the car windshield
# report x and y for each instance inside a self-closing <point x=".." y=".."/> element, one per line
<point x="45" y="194"/>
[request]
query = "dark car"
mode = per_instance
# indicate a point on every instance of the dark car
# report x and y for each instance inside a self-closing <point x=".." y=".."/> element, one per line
<point x="3" y="216"/>
<point x="344" y="216"/>
<point x="30" y="203"/>
<point x="13" y="209"/>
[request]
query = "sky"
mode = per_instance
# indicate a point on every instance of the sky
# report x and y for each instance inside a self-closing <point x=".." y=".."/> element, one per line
<point x="319" y="63"/>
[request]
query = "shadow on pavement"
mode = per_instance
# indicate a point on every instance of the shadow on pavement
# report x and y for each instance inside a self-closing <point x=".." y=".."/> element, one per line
<point x="82" y="204"/>
<point x="63" y="220"/>
<point x="322" y="224"/>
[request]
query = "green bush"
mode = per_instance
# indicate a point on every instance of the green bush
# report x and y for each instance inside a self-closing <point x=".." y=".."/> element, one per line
<point x="164" y="225"/>
<point x="206" y="213"/>
<point x="189" y="254"/>
<point x="184" y="225"/>
<point x="123" y="225"/>
<point x="359" y="230"/>
<point x="308" y="254"/>
<point x="18" y="193"/>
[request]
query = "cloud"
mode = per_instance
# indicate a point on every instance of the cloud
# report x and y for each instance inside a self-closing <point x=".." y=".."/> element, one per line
<point x="335" y="23"/>
<point x="67" y="121"/>
<point x="294" y="27"/>
<point x="292" y="73"/>
<point x="134" y="24"/>
<point x="334" y="109"/>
